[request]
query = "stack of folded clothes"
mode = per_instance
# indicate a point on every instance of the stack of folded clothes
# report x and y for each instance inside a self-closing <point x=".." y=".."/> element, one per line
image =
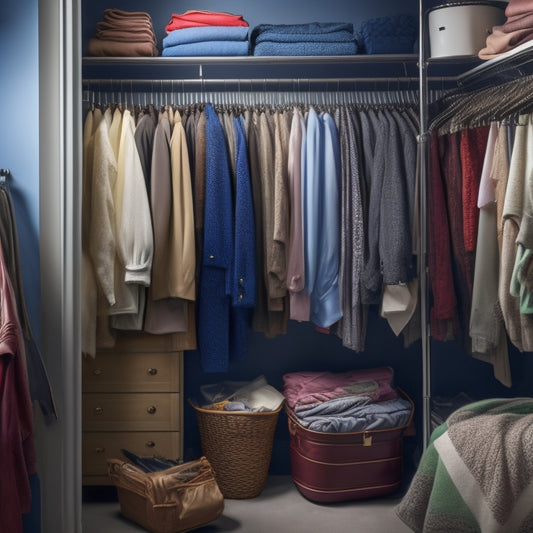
<point x="348" y="401"/>
<point x="124" y="33"/>
<point x="206" y="33"/>
<point x="388" y="35"/>
<point x="516" y="31"/>
<point x="311" y="39"/>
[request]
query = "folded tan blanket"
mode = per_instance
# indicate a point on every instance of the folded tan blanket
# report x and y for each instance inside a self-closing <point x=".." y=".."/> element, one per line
<point x="106" y="48"/>
<point x="499" y="42"/>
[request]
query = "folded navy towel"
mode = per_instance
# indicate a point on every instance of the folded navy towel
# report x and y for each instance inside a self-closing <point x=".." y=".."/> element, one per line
<point x="305" y="49"/>
<point x="206" y="33"/>
<point x="308" y="28"/>
<point x="342" y="36"/>
<point x="388" y="35"/>
<point x="207" y="48"/>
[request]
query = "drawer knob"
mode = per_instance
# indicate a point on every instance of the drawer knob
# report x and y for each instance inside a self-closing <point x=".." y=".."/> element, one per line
<point x="99" y="410"/>
<point x="97" y="371"/>
<point x="152" y="371"/>
<point x="150" y="444"/>
<point x="152" y="409"/>
<point x="99" y="450"/>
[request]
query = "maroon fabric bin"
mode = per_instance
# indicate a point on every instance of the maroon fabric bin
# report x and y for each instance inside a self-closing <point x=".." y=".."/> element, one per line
<point x="336" y="467"/>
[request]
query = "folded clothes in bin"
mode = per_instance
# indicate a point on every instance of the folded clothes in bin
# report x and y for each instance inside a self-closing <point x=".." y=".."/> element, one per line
<point x="255" y="396"/>
<point x="173" y="500"/>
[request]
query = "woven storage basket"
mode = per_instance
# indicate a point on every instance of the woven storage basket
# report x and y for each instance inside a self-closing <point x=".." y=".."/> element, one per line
<point x="238" y="445"/>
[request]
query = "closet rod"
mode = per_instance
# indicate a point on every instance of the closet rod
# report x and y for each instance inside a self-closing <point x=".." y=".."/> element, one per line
<point x="250" y="81"/>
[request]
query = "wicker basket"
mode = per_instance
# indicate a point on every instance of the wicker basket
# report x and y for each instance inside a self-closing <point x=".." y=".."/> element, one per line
<point x="239" y="447"/>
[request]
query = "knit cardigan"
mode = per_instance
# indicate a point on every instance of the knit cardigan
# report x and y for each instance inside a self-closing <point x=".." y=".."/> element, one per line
<point x="216" y="274"/>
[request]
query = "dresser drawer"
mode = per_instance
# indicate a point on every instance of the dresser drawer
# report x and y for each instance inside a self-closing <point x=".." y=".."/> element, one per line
<point x="98" y="447"/>
<point x="135" y="341"/>
<point x="132" y="372"/>
<point x="131" y="412"/>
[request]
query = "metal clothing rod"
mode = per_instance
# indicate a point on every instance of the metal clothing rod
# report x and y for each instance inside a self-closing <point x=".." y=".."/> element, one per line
<point x="250" y="81"/>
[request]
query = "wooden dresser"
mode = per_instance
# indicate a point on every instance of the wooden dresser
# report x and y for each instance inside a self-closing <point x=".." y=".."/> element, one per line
<point x="132" y="399"/>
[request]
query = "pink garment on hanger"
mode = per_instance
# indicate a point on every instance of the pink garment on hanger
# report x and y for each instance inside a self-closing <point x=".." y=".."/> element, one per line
<point x="17" y="450"/>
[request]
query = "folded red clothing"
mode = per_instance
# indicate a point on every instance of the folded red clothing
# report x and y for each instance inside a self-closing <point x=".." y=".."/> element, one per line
<point x="195" y="18"/>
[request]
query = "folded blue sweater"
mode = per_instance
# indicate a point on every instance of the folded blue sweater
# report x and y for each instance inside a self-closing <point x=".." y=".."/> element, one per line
<point x="207" y="48"/>
<point x="311" y="28"/>
<point x="314" y="38"/>
<point x="206" y="33"/>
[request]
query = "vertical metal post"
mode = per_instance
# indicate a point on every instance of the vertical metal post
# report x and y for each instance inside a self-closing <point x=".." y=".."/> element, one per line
<point x="423" y="198"/>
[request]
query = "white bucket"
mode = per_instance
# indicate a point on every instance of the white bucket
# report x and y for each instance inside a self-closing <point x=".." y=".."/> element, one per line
<point x="461" y="29"/>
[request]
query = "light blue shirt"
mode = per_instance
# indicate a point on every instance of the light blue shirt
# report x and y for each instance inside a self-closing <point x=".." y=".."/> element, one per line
<point x="321" y="178"/>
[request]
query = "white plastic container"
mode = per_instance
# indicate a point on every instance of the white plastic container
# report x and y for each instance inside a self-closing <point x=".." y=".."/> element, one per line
<point x="461" y="28"/>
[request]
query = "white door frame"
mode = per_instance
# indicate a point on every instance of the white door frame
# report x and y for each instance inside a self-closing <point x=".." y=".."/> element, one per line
<point x="60" y="160"/>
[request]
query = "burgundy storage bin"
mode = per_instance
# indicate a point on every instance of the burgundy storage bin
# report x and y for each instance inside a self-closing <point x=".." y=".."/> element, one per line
<point x="336" y="467"/>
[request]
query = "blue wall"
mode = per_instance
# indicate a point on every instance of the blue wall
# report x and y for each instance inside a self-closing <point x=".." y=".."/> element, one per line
<point x="19" y="152"/>
<point x="19" y="135"/>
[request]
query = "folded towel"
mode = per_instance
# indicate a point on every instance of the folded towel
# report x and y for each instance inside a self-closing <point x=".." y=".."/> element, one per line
<point x="388" y="35"/>
<point x="519" y="22"/>
<point x="305" y="49"/>
<point x="333" y="37"/>
<point x="126" y="36"/>
<point x="518" y="7"/>
<point x="104" y="48"/>
<point x="311" y="32"/>
<point x="207" y="48"/>
<point x="206" y="33"/>
<point x="125" y="25"/>
<point x="306" y="29"/>
<point x="118" y="15"/>
<point x="499" y="42"/>
<point x="193" y="18"/>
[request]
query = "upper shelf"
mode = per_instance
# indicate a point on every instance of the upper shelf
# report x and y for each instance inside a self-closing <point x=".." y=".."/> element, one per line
<point x="359" y="67"/>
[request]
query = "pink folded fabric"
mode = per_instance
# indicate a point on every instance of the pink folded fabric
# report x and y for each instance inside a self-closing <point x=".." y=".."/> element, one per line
<point x="195" y="18"/>
<point x="303" y="389"/>
<point x="118" y="15"/>
<point x="124" y="25"/>
<point x="518" y="7"/>
<point x="518" y="22"/>
<point x="499" y="42"/>
<point x="105" y="48"/>
<point x="126" y="36"/>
